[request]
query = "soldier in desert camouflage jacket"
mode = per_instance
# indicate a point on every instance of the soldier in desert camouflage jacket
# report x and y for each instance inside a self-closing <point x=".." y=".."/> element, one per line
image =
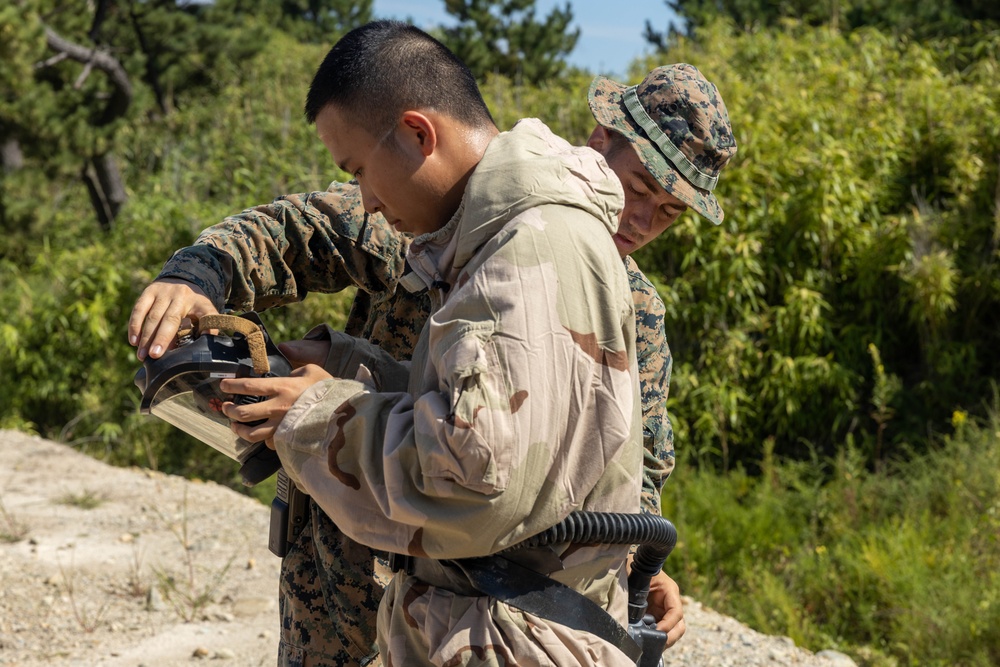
<point x="323" y="242"/>
<point x="521" y="402"/>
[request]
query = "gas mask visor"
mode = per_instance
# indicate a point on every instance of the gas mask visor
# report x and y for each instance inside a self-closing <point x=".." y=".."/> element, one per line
<point x="182" y="386"/>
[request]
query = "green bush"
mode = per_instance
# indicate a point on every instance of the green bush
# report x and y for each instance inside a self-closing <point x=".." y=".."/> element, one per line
<point x="893" y="567"/>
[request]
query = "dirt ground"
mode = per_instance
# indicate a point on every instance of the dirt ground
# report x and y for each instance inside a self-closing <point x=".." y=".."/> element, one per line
<point x="128" y="567"/>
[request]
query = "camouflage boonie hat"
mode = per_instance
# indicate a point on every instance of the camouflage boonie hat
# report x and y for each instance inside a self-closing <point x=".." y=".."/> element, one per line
<point x="678" y="124"/>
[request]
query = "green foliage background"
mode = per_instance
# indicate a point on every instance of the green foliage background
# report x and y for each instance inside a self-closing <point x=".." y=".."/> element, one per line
<point x="835" y="339"/>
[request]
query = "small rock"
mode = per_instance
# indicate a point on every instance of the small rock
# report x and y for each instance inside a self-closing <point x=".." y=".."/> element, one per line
<point x="837" y="659"/>
<point x="154" y="599"/>
<point x="245" y="607"/>
<point x="224" y="654"/>
<point x="251" y="563"/>
<point x="54" y="579"/>
<point x="200" y="652"/>
<point x="126" y="538"/>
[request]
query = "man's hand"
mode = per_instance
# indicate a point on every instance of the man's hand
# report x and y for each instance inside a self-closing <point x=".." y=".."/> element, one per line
<point x="302" y="352"/>
<point x="281" y="393"/>
<point x="158" y="312"/>
<point x="664" y="603"/>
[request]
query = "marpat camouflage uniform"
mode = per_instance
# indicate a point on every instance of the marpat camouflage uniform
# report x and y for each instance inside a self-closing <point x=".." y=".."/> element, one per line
<point x="522" y="407"/>
<point x="331" y="586"/>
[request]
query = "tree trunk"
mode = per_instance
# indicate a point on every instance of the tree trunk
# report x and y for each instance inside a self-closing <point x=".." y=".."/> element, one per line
<point x="152" y="71"/>
<point x="106" y="188"/>
<point x="100" y="172"/>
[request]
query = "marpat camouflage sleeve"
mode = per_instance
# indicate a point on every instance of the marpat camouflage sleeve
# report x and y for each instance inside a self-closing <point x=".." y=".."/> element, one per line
<point x="276" y="254"/>
<point x="655" y="362"/>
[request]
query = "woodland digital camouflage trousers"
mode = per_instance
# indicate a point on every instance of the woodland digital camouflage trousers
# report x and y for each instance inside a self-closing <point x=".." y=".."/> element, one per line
<point x="328" y="612"/>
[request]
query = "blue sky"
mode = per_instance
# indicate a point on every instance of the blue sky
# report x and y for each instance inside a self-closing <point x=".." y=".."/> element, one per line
<point x="610" y="30"/>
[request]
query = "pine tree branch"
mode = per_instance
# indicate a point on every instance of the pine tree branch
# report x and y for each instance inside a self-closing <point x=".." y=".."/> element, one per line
<point x="49" y="62"/>
<point x="104" y="62"/>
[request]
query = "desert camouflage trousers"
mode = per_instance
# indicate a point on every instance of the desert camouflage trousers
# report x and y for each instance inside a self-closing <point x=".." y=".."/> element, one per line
<point x="329" y="596"/>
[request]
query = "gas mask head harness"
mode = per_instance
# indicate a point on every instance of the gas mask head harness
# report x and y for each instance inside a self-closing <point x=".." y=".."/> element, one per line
<point x="182" y="386"/>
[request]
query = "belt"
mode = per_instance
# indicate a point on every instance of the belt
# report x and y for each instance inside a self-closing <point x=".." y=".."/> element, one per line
<point x="521" y="588"/>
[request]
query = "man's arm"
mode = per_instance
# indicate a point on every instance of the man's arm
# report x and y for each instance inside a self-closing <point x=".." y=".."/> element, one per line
<point x="653" y="355"/>
<point x="271" y="255"/>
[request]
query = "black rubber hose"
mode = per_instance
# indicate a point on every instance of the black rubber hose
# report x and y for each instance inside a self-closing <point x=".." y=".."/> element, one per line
<point x="607" y="528"/>
<point x="655" y="536"/>
<point x="647" y="562"/>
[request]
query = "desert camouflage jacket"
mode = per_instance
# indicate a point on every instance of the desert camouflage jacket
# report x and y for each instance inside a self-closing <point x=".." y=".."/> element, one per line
<point x="324" y="242"/>
<point x="522" y="406"/>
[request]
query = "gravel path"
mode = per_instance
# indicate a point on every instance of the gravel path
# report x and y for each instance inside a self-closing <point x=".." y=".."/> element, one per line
<point x="93" y="571"/>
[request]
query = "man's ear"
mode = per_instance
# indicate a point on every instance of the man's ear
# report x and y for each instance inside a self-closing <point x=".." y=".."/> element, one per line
<point x="419" y="131"/>
<point x="600" y="139"/>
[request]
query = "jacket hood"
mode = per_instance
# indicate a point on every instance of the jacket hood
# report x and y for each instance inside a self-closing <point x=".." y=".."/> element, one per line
<point x="530" y="166"/>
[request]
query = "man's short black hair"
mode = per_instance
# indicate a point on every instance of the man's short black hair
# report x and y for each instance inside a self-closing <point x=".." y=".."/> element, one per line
<point x="383" y="68"/>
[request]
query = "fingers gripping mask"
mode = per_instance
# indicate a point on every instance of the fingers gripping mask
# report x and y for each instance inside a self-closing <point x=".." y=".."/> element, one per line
<point x="182" y="386"/>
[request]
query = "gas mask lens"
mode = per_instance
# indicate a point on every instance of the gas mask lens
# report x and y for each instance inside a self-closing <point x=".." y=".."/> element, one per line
<point x="193" y="403"/>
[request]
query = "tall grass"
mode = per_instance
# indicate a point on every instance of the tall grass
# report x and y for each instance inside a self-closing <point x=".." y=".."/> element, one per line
<point x="896" y="567"/>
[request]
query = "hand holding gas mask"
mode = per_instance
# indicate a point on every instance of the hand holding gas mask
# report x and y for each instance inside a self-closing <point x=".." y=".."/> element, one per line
<point x="159" y="313"/>
<point x="260" y="404"/>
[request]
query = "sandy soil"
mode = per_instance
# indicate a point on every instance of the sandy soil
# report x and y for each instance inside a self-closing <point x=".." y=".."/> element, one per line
<point x="128" y="567"/>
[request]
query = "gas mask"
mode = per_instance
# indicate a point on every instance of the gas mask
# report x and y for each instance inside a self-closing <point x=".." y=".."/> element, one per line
<point x="182" y="386"/>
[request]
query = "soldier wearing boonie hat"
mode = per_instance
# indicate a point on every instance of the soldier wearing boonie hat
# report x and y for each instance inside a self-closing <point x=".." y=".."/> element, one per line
<point x="678" y="124"/>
